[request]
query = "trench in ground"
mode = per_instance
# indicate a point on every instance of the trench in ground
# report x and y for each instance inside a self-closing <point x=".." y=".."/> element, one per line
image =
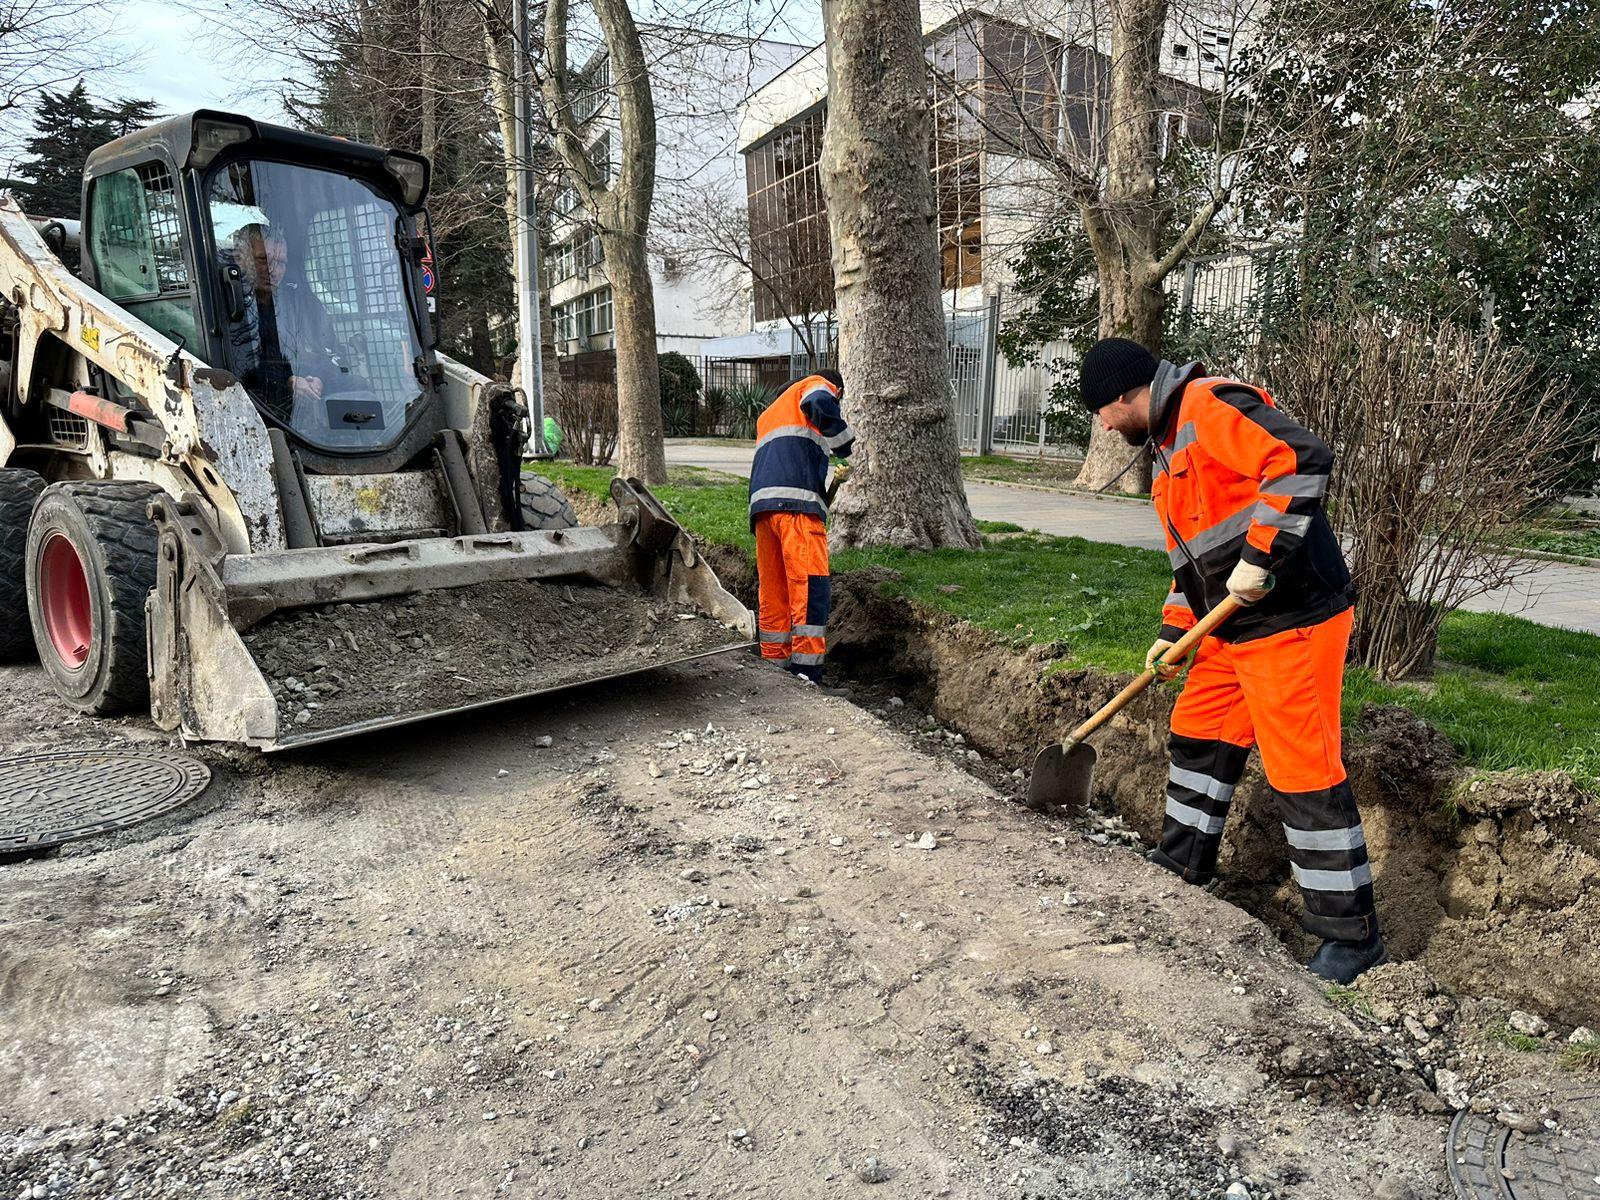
<point x="1492" y="882"/>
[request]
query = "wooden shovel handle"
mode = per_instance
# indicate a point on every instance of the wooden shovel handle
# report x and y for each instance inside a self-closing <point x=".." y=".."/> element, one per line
<point x="1175" y="655"/>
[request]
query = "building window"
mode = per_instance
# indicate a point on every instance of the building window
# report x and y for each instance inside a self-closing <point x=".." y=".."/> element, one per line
<point x="789" y="247"/>
<point x="590" y="91"/>
<point x="597" y="317"/>
<point x="565" y="317"/>
<point x="959" y="139"/>
<point x="600" y="158"/>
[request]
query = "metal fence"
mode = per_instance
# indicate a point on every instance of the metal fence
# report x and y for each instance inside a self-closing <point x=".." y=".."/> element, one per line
<point x="999" y="407"/>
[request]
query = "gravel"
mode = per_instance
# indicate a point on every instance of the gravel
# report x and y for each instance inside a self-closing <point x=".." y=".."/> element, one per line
<point x="343" y="664"/>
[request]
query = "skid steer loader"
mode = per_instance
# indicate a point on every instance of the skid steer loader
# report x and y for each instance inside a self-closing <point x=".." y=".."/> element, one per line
<point x="239" y="483"/>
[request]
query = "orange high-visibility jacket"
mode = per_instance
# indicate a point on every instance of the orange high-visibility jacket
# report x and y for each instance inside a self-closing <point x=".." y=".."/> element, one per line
<point x="1237" y="479"/>
<point x="795" y="434"/>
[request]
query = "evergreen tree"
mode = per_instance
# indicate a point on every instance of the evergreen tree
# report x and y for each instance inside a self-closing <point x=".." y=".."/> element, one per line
<point x="124" y="116"/>
<point x="68" y="126"/>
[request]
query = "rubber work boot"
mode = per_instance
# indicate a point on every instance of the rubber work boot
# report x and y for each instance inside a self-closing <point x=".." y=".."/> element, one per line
<point x="1341" y="962"/>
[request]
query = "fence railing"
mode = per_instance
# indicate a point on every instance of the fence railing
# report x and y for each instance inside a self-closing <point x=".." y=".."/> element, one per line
<point x="999" y="407"/>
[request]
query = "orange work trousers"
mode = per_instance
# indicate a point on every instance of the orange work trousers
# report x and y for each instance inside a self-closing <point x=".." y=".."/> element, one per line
<point x="792" y="561"/>
<point x="1280" y="693"/>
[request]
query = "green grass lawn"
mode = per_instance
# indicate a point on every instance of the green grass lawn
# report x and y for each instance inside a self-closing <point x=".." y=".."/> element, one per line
<point x="1044" y="472"/>
<point x="1508" y="693"/>
<point x="1581" y="543"/>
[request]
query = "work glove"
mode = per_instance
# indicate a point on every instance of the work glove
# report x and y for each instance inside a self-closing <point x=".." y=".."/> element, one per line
<point x="1248" y="582"/>
<point x="841" y="473"/>
<point x="1152" y="656"/>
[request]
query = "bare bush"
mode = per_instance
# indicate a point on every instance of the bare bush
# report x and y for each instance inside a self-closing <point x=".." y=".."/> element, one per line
<point x="586" y="410"/>
<point x="1445" y="442"/>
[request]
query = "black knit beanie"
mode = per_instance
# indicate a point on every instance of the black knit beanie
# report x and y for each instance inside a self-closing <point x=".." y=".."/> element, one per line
<point x="1113" y="366"/>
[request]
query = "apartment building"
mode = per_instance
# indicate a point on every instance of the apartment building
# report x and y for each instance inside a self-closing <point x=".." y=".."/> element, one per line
<point x="1012" y="86"/>
<point x="698" y="83"/>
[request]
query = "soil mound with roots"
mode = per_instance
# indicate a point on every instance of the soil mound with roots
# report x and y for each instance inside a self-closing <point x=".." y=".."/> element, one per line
<point x="1492" y="882"/>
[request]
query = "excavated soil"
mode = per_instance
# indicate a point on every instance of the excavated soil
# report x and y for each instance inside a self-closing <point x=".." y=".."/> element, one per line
<point x="347" y="663"/>
<point x="1492" y="882"/>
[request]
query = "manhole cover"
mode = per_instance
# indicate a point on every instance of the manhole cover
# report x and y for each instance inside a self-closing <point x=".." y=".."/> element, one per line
<point x="1490" y="1162"/>
<point x="47" y="799"/>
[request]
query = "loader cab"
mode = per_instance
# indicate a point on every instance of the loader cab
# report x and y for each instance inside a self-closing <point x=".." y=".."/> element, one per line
<point x="289" y="260"/>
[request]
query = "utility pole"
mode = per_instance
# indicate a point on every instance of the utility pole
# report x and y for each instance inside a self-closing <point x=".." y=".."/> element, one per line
<point x="526" y="252"/>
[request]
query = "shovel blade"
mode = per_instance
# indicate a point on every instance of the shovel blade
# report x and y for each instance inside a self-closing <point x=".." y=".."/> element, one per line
<point x="1062" y="776"/>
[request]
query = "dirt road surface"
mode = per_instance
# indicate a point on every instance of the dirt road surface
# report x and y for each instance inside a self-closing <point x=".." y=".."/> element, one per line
<point x="726" y="935"/>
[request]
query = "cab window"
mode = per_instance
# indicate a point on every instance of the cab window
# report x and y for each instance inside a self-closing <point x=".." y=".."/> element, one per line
<point x="136" y="244"/>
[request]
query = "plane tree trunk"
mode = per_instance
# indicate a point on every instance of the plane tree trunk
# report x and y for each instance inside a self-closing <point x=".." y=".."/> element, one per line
<point x="907" y="488"/>
<point x="618" y="201"/>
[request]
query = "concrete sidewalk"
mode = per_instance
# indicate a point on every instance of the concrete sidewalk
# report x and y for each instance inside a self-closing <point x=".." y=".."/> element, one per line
<point x="1562" y="595"/>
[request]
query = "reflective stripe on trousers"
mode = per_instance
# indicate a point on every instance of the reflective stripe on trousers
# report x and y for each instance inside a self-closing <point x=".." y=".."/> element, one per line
<point x="1280" y="693"/>
<point x="795" y="590"/>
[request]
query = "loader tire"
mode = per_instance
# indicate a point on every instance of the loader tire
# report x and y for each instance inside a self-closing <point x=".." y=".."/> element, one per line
<point x="19" y="491"/>
<point x="91" y="565"/>
<point x="544" y="505"/>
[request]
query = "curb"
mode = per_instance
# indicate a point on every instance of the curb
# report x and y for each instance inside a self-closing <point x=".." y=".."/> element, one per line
<point x="1575" y="560"/>
<point x="1082" y="493"/>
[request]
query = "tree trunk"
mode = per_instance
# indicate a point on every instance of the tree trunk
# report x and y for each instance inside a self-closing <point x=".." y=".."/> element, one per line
<point x="907" y="489"/>
<point x="1132" y="311"/>
<point x="641" y="450"/>
<point x="482" y="345"/>
<point x="1124" y="221"/>
<point x="500" y="51"/>
<point x="620" y="207"/>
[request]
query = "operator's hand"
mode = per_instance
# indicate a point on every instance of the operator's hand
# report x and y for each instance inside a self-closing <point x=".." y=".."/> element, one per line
<point x="841" y="473"/>
<point x="1248" y="583"/>
<point x="305" y="387"/>
<point x="1152" y="659"/>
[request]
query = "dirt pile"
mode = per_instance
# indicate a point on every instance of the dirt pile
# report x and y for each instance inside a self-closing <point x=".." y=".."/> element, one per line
<point x="1493" y="882"/>
<point x="346" y="663"/>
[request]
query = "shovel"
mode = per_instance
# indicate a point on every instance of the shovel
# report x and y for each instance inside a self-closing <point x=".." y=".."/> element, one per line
<point x="1063" y="772"/>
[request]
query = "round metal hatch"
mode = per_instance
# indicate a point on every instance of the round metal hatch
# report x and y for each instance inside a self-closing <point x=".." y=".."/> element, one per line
<point x="1490" y="1162"/>
<point x="47" y="799"/>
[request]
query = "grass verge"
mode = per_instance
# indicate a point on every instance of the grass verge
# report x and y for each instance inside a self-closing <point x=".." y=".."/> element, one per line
<point x="1579" y="543"/>
<point x="1508" y="693"/>
<point x="1045" y="472"/>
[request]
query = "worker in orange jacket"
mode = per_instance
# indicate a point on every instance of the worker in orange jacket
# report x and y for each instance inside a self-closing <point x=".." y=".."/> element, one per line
<point x="796" y="435"/>
<point x="1238" y="488"/>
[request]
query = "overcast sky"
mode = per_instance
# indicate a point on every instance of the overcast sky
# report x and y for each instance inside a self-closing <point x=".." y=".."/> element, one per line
<point x="174" y="56"/>
<point x="181" y="66"/>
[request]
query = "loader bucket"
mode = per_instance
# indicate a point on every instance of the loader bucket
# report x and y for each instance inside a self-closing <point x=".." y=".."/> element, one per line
<point x="293" y="647"/>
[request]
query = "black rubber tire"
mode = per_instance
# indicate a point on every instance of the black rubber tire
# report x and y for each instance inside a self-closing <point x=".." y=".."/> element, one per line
<point x="109" y="526"/>
<point x="19" y="492"/>
<point x="544" y="505"/>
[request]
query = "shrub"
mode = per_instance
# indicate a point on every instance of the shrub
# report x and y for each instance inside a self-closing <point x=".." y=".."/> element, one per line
<point x="680" y="394"/>
<point x="745" y="402"/>
<point x="586" y="410"/>
<point x="1445" y="442"/>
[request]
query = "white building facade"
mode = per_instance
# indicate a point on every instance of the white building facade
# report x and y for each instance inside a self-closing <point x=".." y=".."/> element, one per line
<point x="698" y="83"/>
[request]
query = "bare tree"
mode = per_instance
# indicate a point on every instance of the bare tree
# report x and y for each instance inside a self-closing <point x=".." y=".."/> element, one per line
<point x="619" y="204"/>
<point x="788" y="274"/>
<point x="908" y="490"/>
<point x="1095" y="99"/>
<point x="1446" y="443"/>
<point x="45" y="44"/>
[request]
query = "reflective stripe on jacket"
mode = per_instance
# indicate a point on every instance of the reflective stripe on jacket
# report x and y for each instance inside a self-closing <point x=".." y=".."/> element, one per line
<point x="795" y="436"/>
<point x="1237" y="479"/>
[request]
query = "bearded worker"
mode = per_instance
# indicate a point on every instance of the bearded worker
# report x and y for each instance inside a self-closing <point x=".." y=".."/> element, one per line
<point x="1239" y="491"/>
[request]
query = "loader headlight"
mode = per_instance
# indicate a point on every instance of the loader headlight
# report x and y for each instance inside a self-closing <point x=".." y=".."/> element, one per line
<point x="411" y="170"/>
<point x="213" y="135"/>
